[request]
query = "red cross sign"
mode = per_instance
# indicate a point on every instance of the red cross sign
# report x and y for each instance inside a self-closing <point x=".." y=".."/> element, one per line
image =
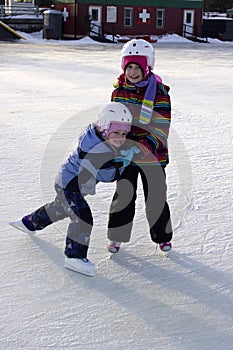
<point x="144" y="15"/>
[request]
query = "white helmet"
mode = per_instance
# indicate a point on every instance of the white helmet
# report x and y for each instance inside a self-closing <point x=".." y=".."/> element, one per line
<point x="114" y="116"/>
<point x="138" y="47"/>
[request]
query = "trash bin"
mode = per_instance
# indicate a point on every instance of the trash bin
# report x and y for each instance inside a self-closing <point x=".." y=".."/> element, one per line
<point x="52" y="24"/>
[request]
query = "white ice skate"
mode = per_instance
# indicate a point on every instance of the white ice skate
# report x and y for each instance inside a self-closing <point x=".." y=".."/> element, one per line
<point x="113" y="246"/>
<point x="20" y="226"/>
<point x="165" y="248"/>
<point x="83" y="266"/>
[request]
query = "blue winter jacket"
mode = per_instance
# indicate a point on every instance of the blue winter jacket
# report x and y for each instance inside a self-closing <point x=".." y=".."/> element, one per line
<point x="90" y="163"/>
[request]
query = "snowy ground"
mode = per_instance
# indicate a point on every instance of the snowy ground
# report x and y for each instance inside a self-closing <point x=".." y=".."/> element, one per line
<point x="138" y="300"/>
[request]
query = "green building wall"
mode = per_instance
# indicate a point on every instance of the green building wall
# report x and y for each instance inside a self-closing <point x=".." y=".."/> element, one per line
<point x="156" y="3"/>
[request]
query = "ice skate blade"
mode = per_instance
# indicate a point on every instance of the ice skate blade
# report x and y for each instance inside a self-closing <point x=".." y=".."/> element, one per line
<point x="20" y="226"/>
<point x="165" y="254"/>
<point x="78" y="266"/>
<point x="111" y="255"/>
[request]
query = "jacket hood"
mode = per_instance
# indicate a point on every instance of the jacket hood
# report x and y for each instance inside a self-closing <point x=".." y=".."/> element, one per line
<point x="90" y="141"/>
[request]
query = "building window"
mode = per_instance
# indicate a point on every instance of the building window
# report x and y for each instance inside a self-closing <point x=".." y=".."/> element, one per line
<point x="95" y="14"/>
<point x="188" y="17"/>
<point x="111" y="14"/>
<point x="128" y="16"/>
<point x="160" y="14"/>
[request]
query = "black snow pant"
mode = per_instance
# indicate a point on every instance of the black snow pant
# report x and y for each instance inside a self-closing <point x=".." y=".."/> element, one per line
<point x="66" y="204"/>
<point x="122" y="208"/>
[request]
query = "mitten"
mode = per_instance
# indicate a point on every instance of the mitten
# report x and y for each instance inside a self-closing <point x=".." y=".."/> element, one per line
<point x="127" y="155"/>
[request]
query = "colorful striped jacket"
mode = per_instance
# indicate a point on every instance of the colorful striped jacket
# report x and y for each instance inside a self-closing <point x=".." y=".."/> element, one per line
<point x="150" y="138"/>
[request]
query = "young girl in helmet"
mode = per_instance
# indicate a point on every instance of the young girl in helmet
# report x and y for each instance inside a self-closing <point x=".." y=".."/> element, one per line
<point x="92" y="161"/>
<point x="149" y="102"/>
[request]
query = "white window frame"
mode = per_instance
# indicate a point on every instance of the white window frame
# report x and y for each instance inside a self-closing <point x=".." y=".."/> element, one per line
<point x="160" y="18"/>
<point x="130" y="17"/>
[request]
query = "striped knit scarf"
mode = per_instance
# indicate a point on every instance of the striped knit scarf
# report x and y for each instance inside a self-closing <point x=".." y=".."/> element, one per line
<point x="148" y="101"/>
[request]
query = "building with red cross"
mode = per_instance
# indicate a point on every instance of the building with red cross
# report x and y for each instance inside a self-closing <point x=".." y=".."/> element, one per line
<point x="132" y="18"/>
